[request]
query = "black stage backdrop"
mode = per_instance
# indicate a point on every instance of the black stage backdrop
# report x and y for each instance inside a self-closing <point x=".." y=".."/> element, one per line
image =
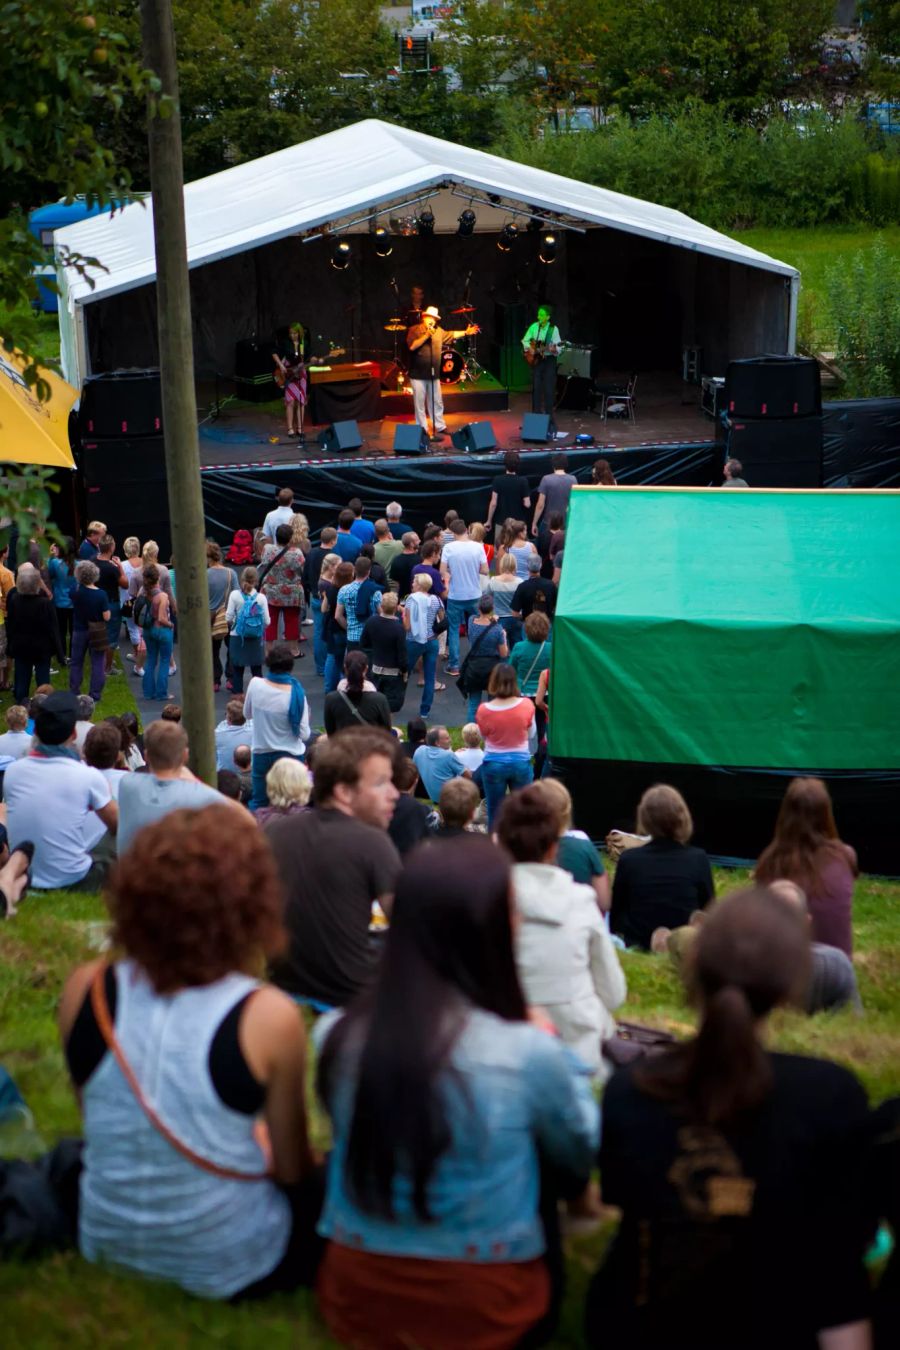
<point x="734" y="809"/>
<point x="425" y="487"/>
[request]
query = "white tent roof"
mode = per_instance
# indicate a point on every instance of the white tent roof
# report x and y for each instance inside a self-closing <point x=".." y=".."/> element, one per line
<point x="344" y="173"/>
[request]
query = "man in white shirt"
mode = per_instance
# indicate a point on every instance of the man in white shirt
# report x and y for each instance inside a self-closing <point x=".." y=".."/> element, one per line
<point x="231" y="733"/>
<point x="169" y="786"/>
<point x="542" y="344"/>
<point x="16" y="742"/>
<point x="282" y="515"/>
<point x="51" y="797"/>
<point x="463" y="563"/>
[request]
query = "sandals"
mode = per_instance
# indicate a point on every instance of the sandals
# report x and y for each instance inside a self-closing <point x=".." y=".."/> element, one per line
<point x="439" y="688"/>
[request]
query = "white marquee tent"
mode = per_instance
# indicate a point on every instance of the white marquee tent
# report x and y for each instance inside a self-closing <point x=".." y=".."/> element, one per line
<point x="339" y="180"/>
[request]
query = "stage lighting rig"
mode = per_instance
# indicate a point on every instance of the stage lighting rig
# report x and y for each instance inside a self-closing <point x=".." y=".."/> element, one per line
<point x="383" y="246"/>
<point x="547" y="251"/>
<point x="340" y="256"/>
<point x="466" y="223"/>
<point x="508" y="236"/>
<point x="426" y="223"/>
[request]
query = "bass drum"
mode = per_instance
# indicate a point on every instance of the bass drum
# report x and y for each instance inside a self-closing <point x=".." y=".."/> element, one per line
<point x="452" y="366"/>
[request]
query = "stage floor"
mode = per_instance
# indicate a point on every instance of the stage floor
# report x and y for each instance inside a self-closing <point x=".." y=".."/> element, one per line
<point x="667" y="410"/>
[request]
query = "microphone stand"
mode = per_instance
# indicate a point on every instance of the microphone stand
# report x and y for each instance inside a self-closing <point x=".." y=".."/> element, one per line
<point x="433" y="408"/>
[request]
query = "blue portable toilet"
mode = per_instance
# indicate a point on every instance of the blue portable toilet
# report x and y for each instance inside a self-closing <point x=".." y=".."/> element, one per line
<point x="42" y="222"/>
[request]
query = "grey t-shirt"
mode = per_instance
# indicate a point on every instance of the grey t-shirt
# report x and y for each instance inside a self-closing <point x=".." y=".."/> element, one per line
<point x="145" y="799"/>
<point x="555" y="488"/>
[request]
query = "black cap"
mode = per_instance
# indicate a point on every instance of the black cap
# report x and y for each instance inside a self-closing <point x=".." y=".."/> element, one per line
<point x="55" y="719"/>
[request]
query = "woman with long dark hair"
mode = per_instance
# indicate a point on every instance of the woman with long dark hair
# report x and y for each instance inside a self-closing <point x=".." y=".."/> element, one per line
<point x="441" y="1095"/>
<point x="807" y="850"/>
<point x="738" y="1171"/>
<point x="356" y="700"/>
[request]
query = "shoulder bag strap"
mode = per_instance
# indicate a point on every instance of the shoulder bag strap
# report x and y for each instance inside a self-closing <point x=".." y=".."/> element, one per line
<point x="267" y="567"/>
<point x="353" y="708"/>
<point x="105" y="1026"/>
<point x="534" y="663"/>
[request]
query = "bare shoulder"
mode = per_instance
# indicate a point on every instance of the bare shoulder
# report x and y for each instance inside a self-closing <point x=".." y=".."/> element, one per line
<point x="74" y="993"/>
<point x="270" y="1010"/>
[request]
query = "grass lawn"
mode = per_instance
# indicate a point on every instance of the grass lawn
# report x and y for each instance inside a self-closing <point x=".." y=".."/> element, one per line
<point x="65" y="1301"/>
<point x="813" y="251"/>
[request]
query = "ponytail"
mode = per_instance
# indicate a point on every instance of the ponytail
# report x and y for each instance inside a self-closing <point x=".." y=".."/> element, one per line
<point x="750" y="956"/>
<point x="355" y="667"/>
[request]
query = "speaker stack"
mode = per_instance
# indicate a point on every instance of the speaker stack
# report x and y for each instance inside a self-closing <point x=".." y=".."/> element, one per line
<point x="774" y="420"/>
<point x="475" y="438"/>
<point x="122" y="453"/>
<point x="340" y="436"/>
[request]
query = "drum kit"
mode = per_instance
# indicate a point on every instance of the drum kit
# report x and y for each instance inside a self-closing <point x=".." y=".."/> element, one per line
<point x="459" y="361"/>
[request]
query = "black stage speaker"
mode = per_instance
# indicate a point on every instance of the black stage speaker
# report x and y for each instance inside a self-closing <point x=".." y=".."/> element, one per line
<point x="773" y="386"/>
<point x="410" y="439"/>
<point x="340" y="436"/>
<point x="252" y="358"/>
<point x="536" y="427"/>
<point x="574" y="393"/>
<point x="121" y="403"/>
<point x="778" y="452"/>
<point x="475" y="437"/>
<point x="125" y="485"/>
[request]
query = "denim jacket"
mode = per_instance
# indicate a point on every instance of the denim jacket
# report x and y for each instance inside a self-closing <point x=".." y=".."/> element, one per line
<point x="514" y="1091"/>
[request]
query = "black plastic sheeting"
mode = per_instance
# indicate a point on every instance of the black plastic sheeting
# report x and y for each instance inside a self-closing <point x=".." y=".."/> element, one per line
<point x="862" y="443"/>
<point x="346" y="401"/>
<point x="734" y="809"/>
<point x="427" y="487"/>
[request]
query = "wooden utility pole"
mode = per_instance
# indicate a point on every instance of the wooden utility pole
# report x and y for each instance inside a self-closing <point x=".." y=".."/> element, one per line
<point x="176" y="358"/>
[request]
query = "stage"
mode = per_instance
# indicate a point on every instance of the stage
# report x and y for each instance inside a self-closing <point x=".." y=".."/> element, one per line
<point x="234" y="433"/>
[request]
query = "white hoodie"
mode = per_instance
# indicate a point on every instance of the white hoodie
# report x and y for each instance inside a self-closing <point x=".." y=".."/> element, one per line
<point x="565" y="957"/>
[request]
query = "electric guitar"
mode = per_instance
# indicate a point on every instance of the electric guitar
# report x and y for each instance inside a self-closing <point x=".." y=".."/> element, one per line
<point x="292" y="370"/>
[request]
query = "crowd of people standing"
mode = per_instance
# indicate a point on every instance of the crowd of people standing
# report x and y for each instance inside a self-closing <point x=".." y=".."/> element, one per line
<point x="461" y="965"/>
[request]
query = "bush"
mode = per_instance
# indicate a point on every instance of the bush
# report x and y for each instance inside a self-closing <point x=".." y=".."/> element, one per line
<point x="863" y="299"/>
<point x="731" y="175"/>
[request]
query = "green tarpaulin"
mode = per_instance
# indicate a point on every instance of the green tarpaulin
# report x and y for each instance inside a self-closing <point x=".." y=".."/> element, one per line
<point x="729" y="627"/>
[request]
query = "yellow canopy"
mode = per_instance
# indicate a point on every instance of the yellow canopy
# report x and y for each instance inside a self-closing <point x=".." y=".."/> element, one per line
<point x="32" y="432"/>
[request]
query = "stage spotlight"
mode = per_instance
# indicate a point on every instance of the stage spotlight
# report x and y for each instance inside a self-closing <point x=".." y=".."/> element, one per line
<point x="547" y="252"/>
<point x="466" y="223"/>
<point x="508" y="236"/>
<point x="426" y="222"/>
<point x="340" y="256"/>
<point x="383" y="246"/>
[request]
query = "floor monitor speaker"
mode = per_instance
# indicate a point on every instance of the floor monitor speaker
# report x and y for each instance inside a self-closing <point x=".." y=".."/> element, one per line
<point x="410" y="439"/>
<point x="340" y="436"/>
<point x="536" y="427"/>
<point x="475" y="437"/>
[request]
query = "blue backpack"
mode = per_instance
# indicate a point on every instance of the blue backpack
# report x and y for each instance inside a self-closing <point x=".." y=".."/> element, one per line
<point x="249" y="623"/>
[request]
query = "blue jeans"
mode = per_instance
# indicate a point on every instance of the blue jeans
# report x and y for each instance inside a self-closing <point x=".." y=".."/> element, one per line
<point x="474" y="701"/>
<point x="429" y="654"/>
<point x="457" y="610"/>
<point x="320" y="651"/>
<point x="512" y="627"/>
<point x="260" y="764"/>
<point x="158" y="642"/>
<point x="334" y="663"/>
<point x="500" y="772"/>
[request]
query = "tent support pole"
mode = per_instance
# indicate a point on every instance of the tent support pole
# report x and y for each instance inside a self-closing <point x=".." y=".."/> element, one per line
<point x="178" y="397"/>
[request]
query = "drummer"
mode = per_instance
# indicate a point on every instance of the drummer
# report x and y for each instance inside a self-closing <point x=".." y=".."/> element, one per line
<point x="425" y="341"/>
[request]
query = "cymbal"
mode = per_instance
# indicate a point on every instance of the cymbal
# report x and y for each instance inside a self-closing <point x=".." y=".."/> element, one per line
<point x="464" y="309"/>
<point x="395" y="326"/>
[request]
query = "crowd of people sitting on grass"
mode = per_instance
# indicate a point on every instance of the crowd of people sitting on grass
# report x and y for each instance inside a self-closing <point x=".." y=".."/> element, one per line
<point x="419" y="914"/>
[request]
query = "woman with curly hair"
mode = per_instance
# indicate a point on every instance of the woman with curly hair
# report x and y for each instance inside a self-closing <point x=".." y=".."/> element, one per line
<point x="190" y="1071"/>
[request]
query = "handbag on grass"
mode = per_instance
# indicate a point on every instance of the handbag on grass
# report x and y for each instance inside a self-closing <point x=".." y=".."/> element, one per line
<point x="107" y="1031"/>
<point x="632" y="1041"/>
